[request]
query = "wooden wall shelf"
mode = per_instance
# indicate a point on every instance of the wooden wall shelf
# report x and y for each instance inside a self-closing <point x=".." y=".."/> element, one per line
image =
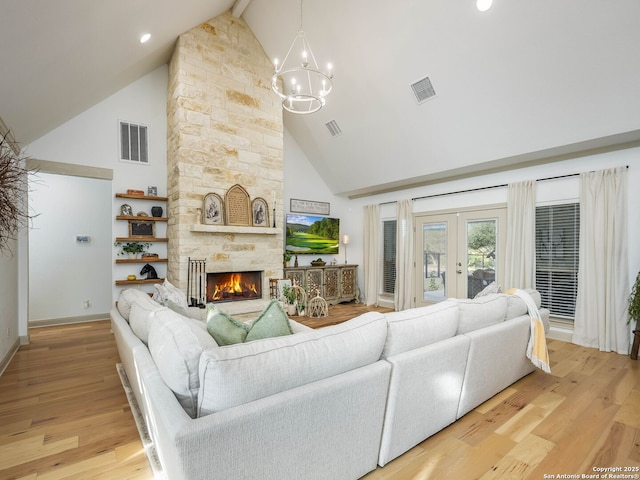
<point x="140" y="281"/>
<point x="234" y="229"/>
<point x="141" y="219"/>
<point x="141" y="260"/>
<point x="132" y="262"/>
<point x="141" y="239"/>
<point x="141" y="197"/>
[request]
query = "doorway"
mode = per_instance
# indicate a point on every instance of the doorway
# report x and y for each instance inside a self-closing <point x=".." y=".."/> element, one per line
<point x="458" y="253"/>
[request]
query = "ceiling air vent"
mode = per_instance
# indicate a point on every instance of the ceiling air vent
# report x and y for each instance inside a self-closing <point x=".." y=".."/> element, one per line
<point x="334" y="128"/>
<point x="423" y="90"/>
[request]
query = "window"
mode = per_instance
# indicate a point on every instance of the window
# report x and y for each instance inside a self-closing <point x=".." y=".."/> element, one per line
<point x="557" y="242"/>
<point x="389" y="257"/>
<point x="133" y="143"/>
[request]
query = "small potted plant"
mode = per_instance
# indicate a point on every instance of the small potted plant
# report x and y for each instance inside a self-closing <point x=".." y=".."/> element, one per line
<point x="290" y="299"/>
<point x="132" y="248"/>
<point x="286" y="257"/>
<point x="634" y="314"/>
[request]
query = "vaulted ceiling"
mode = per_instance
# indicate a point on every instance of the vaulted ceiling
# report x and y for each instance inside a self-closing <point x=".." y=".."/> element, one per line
<point x="527" y="81"/>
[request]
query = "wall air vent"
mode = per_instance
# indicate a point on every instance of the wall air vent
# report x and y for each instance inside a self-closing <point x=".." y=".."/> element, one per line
<point x="133" y="143"/>
<point x="423" y="90"/>
<point x="334" y="128"/>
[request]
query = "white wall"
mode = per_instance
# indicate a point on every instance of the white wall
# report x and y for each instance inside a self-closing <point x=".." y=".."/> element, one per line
<point x="301" y="181"/>
<point x="91" y="139"/>
<point x="8" y="301"/>
<point x="64" y="273"/>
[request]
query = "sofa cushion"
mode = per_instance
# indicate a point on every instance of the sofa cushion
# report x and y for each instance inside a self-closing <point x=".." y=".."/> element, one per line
<point x="417" y="327"/>
<point x="238" y="374"/>
<point x="129" y="296"/>
<point x="176" y="343"/>
<point x="481" y="312"/>
<point x="141" y="316"/>
<point x="516" y="306"/>
<point x="272" y="322"/>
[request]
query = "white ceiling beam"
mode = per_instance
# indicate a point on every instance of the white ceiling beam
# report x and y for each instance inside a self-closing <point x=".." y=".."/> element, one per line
<point x="238" y="7"/>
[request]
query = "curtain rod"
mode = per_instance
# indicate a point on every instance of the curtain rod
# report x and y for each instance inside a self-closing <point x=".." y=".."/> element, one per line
<point x="494" y="186"/>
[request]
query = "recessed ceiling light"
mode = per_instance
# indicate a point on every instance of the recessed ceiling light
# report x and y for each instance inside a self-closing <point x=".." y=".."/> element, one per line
<point x="145" y="38"/>
<point x="483" y="5"/>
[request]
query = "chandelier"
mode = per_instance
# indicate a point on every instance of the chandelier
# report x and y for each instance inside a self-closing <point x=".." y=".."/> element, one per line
<point x="299" y="82"/>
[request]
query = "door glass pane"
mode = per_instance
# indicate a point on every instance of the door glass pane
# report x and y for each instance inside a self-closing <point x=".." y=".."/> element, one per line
<point x="434" y="261"/>
<point x="481" y="255"/>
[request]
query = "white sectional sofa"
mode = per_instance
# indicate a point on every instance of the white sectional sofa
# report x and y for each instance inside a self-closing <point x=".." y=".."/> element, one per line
<point x="327" y="403"/>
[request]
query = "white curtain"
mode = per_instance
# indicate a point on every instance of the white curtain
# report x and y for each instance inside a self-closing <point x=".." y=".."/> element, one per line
<point x="372" y="250"/>
<point x="603" y="280"/>
<point x="404" y="256"/>
<point x="520" y="255"/>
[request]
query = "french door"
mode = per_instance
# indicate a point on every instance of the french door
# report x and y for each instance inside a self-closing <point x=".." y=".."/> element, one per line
<point x="458" y="253"/>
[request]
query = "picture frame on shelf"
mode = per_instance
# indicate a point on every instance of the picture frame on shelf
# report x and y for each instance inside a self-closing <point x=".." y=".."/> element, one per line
<point x="212" y="209"/>
<point x="152" y="191"/>
<point x="142" y="229"/>
<point x="260" y="212"/>
<point x="126" y="210"/>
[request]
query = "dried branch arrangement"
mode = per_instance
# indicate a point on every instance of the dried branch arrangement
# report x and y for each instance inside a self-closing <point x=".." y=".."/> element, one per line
<point x="14" y="185"/>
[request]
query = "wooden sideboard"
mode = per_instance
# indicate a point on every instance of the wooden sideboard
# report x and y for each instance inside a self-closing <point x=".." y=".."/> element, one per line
<point x="335" y="283"/>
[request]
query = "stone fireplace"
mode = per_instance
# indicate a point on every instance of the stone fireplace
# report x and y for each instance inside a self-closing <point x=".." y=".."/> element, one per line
<point x="224" y="128"/>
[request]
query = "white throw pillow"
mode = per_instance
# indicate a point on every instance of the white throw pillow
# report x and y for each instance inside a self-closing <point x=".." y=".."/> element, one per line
<point x="169" y="295"/>
<point x="493" y="287"/>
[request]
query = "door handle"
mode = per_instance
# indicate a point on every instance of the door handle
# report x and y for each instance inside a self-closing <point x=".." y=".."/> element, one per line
<point x="458" y="271"/>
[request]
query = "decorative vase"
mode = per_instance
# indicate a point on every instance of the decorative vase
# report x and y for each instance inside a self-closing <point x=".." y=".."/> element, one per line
<point x="156" y="211"/>
<point x="133" y="255"/>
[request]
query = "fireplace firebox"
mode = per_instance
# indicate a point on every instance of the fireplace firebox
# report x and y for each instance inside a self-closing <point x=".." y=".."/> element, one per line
<point x="233" y="286"/>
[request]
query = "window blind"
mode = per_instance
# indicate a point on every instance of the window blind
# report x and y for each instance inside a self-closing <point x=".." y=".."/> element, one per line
<point x="389" y="256"/>
<point x="557" y="252"/>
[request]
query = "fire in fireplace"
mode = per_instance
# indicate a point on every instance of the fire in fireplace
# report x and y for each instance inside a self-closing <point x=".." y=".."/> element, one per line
<point x="233" y="286"/>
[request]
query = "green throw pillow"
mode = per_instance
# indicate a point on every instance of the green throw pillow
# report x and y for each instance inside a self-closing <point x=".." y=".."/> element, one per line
<point x="272" y="322"/>
<point x="224" y="329"/>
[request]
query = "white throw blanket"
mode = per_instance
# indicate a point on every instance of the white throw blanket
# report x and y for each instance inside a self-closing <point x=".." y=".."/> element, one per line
<point x="537" y="347"/>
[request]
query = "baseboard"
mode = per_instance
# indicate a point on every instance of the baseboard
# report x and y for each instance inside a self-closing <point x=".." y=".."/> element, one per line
<point x="67" y="320"/>
<point x="7" y="358"/>
<point x="559" y="333"/>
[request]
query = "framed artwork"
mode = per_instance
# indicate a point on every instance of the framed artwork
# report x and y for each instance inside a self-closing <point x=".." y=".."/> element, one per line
<point x="152" y="191"/>
<point x="142" y="229"/>
<point x="309" y="206"/>
<point x="212" y="209"/>
<point x="126" y="209"/>
<point x="260" y="212"/>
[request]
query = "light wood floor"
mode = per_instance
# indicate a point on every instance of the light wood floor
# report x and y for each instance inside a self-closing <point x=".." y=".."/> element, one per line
<point x="64" y="415"/>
